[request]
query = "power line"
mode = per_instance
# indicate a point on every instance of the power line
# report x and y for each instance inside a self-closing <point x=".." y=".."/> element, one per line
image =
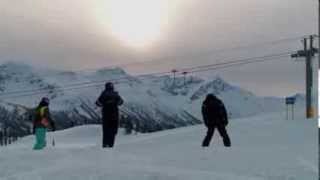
<point x="83" y="83"/>
<point x="235" y="61"/>
<point x="204" y="53"/>
<point x="186" y="69"/>
<point x="149" y="76"/>
<point x="152" y="74"/>
<point x="137" y="77"/>
<point x="237" y="64"/>
<point x="212" y="51"/>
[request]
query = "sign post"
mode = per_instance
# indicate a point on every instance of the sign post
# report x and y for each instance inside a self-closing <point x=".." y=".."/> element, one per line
<point x="290" y="101"/>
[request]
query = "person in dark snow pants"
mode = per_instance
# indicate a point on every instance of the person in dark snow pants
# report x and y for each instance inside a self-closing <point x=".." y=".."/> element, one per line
<point x="109" y="100"/>
<point x="215" y="117"/>
<point x="42" y="121"/>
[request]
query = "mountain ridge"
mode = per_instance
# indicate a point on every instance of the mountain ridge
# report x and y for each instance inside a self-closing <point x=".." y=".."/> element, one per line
<point x="153" y="103"/>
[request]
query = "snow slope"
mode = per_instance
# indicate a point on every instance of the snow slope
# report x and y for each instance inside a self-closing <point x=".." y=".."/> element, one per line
<point x="263" y="148"/>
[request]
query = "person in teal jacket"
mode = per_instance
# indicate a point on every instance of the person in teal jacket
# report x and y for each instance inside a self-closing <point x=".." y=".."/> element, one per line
<point x="42" y="121"/>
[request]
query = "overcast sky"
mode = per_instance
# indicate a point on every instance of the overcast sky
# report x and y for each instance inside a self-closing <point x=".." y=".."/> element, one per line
<point x="74" y="34"/>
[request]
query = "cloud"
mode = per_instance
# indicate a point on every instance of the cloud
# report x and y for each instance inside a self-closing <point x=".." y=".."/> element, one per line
<point x="67" y="34"/>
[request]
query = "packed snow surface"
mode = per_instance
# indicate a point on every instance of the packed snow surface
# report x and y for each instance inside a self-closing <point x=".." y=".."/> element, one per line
<point x="263" y="148"/>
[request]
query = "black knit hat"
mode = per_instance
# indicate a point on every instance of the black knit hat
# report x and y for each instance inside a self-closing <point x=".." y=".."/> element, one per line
<point x="44" y="101"/>
<point x="210" y="97"/>
<point x="109" y="86"/>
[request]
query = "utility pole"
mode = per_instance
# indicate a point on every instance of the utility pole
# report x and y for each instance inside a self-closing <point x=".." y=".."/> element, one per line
<point x="1" y="138"/>
<point x="5" y="138"/>
<point x="318" y="83"/>
<point x="5" y="128"/>
<point x="185" y="78"/>
<point x="317" y="94"/>
<point x="309" y="80"/>
<point x="174" y="71"/>
<point x="308" y="54"/>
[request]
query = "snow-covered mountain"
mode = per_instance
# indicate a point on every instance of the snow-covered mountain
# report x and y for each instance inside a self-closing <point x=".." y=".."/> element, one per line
<point x="151" y="102"/>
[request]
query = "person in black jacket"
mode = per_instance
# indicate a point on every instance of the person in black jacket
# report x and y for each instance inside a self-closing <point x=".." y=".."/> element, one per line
<point x="215" y="116"/>
<point x="109" y="100"/>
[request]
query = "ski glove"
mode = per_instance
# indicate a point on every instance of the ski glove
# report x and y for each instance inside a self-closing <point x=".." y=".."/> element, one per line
<point x="226" y="122"/>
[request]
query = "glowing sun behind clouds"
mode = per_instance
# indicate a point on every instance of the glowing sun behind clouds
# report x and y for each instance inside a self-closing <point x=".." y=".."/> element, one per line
<point x="137" y="23"/>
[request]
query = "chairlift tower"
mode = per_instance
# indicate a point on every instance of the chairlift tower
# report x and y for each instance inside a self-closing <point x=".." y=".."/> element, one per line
<point x="185" y="78"/>
<point x="308" y="54"/>
<point x="174" y="71"/>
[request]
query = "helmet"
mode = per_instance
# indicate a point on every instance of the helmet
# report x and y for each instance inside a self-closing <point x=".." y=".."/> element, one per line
<point x="45" y="101"/>
<point x="109" y="86"/>
<point x="211" y="97"/>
